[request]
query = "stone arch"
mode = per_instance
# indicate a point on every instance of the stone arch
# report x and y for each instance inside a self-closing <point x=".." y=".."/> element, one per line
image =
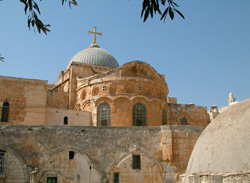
<point x="15" y="162"/>
<point x="157" y="101"/>
<point x="78" y="168"/>
<point x="150" y="171"/>
<point x="121" y="98"/>
<point x="140" y="98"/>
<point x="103" y="99"/>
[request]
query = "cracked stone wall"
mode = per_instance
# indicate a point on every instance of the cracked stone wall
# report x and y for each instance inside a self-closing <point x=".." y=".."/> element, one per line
<point x="99" y="152"/>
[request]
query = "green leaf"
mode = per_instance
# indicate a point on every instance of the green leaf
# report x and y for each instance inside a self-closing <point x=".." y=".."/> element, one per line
<point x="151" y="11"/>
<point x="180" y="13"/>
<point x="176" y="4"/>
<point x="171" y="13"/>
<point x="146" y="15"/>
<point x="165" y="13"/>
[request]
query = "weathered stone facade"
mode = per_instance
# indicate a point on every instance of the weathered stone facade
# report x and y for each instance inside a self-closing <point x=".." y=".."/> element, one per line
<point x="32" y="102"/>
<point x="98" y="123"/>
<point x="98" y="152"/>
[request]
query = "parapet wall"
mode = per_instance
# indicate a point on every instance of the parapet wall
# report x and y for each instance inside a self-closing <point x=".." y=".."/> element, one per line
<point x="243" y="177"/>
<point x="195" y="115"/>
<point x="102" y="151"/>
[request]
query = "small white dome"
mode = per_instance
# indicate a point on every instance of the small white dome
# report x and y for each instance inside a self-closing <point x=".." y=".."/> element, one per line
<point x="94" y="55"/>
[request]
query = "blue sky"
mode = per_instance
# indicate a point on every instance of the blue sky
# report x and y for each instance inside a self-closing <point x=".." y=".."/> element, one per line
<point x="204" y="57"/>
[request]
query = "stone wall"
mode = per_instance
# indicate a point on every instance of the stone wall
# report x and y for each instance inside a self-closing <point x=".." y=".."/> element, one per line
<point x="55" y="116"/>
<point x="230" y="177"/>
<point x="26" y="98"/>
<point x="100" y="152"/>
<point x="14" y="167"/>
<point x="58" y="99"/>
<point x="195" y="115"/>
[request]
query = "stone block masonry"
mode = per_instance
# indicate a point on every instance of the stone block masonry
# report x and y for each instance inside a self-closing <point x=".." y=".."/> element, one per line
<point x="98" y="152"/>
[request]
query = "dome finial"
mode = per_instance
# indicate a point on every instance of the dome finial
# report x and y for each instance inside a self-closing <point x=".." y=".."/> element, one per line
<point x="99" y="33"/>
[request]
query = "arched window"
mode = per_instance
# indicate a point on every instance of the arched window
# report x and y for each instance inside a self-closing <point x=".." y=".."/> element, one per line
<point x="65" y="120"/>
<point x="5" y="112"/>
<point x="184" y="121"/>
<point x="103" y="115"/>
<point x="164" y="117"/>
<point x="139" y="115"/>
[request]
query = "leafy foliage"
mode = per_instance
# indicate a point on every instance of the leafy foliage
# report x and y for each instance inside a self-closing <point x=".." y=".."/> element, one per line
<point x="149" y="7"/>
<point x="153" y="7"/>
<point x="31" y="7"/>
<point x="1" y="58"/>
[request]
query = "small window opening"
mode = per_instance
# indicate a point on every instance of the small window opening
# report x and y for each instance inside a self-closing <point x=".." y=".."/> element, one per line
<point x="104" y="88"/>
<point x="65" y="120"/>
<point x="90" y="167"/>
<point x="71" y="154"/>
<point x="5" y="112"/>
<point x="139" y="87"/>
<point x="51" y="179"/>
<point x="2" y="163"/>
<point x="136" y="161"/>
<point x="184" y="121"/>
<point x="116" y="178"/>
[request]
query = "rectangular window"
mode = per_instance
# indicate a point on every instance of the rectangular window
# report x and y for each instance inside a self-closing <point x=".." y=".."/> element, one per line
<point x="136" y="161"/>
<point x="2" y="163"/>
<point x="51" y="179"/>
<point x="71" y="154"/>
<point x="104" y="88"/>
<point x="116" y="177"/>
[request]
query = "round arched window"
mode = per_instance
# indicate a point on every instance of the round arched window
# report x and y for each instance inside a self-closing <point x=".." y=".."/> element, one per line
<point x="103" y="114"/>
<point x="139" y="115"/>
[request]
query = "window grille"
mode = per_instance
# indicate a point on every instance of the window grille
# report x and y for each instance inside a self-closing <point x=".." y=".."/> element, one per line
<point x="3" y="164"/>
<point x="184" y="121"/>
<point x="139" y="115"/>
<point x="116" y="177"/>
<point x="103" y="114"/>
<point x="5" y="112"/>
<point x="136" y="161"/>
<point x="51" y="179"/>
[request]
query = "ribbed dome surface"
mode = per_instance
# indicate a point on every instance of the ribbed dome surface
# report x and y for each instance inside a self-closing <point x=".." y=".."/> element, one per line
<point x="94" y="55"/>
<point x="224" y="146"/>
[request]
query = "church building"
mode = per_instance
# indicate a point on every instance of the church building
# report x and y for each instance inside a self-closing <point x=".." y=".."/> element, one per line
<point x="100" y="122"/>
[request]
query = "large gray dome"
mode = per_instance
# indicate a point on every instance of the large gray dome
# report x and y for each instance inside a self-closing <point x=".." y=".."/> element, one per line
<point x="94" y="55"/>
<point x="224" y="146"/>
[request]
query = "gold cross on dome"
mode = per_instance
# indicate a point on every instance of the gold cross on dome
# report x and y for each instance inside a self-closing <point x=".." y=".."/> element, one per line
<point x="98" y="33"/>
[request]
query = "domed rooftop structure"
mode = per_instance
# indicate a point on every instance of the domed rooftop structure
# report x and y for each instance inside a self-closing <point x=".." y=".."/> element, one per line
<point x="94" y="55"/>
<point x="224" y="146"/>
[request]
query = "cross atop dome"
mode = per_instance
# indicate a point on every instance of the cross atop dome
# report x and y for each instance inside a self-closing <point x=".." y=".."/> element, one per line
<point x="95" y="33"/>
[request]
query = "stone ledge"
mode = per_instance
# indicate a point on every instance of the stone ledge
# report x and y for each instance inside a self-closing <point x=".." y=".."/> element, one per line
<point x="243" y="177"/>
